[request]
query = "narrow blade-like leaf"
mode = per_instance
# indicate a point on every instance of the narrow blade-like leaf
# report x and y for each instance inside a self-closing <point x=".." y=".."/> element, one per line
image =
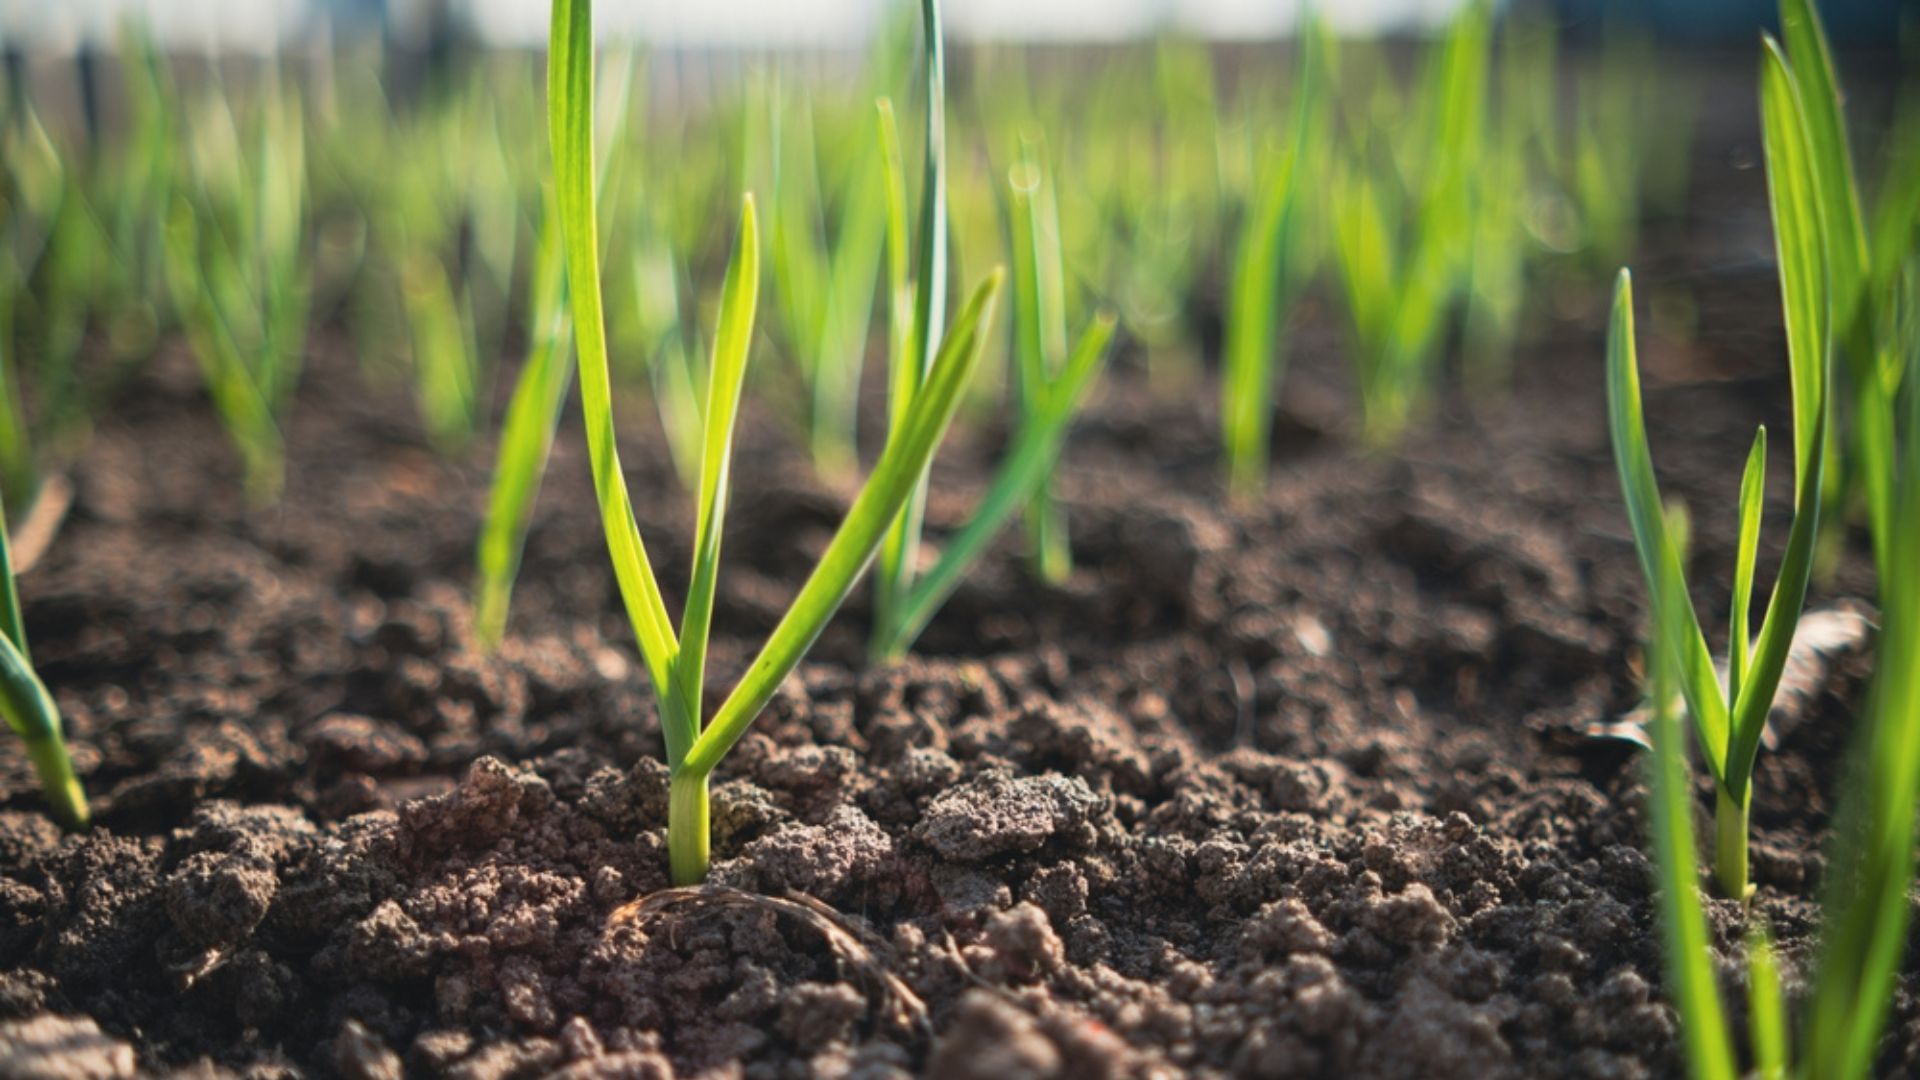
<point x="1026" y="468"/>
<point x="1040" y="346"/>
<point x="32" y="715"/>
<point x="1848" y="262"/>
<point x="12" y="627"/>
<point x="1027" y="306"/>
<point x="1794" y="194"/>
<point x="725" y="378"/>
<point x="1873" y="435"/>
<point x="858" y="249"/>
<point x="1803" y="285"/>
<point x="1659" y="559"/>
<point x="443" y="358"/>
<point x="570" y="126"/>
<point x="1753" y="484"/>
<point x="930" y="276"/>
<point x="902" y="548"/>
<point x="889" y="584"/>
<point x="1871" y="862"/>
<point x="1766" y="1009"/>
<point x="1683" y="925"/>
<point x="910" y="446"/>
<point x="237" y="395"/>
<point x="899" y="243"/>
<point x="1246" y="407"/>
<point x="526" y="441"/>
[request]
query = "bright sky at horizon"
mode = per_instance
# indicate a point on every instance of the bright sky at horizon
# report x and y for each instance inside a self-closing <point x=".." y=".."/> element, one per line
<point x="258" y="24"/>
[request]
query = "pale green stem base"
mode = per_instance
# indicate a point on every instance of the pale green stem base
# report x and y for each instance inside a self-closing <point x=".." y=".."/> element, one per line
<point x="490" y="618"/>
<point x="61" y="787"/>
<point x="1730" y="845"/>
<point x="882" y="647"/>
<point x="687" y="828"/>
<point x="1047" y="533"/>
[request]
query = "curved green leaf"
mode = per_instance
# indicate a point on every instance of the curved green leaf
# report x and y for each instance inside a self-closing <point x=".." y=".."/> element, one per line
<point x="1794" y="194"/>
<point x="910" y="447"/>
<point x="725" y="378"/>
<point x="1683" y="925"/>
<point x="570" y="126"/>
<point x="1766" y="1008"/>
<point x="1753" y="484"/>
<point x="526" y="441"/>
<point x="1659" y="558"/>
<point x="1028" y="466"/>
<point x="1848" y="263"/>
<point x="1871" y="861"/>
<point x="901" y="552"/>
<point x="1253" y="315"/>
<point x="31" y="713"/>
<point x="1803" y="284"/>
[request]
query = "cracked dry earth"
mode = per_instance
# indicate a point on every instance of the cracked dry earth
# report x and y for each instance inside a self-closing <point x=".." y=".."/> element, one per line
<point x="1290" y="789"/>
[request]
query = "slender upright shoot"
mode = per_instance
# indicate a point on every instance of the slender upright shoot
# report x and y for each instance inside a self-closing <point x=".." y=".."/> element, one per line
<point x="1730" y="720"/>
<point x="909" y="365"/>
<point x="675" y="660"/>
<point x="29" y="708"/>
<point x="526" y="440"/>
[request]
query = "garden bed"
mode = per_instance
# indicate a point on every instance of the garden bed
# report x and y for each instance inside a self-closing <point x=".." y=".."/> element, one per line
<point x="1308" y="787"/>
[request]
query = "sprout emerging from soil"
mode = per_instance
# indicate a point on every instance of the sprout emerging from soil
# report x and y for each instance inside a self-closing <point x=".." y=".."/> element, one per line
<point x="1865" y="906"/>
<point x="1405" y="256"/>
<point x="1871" y="857"/>
<point x="1051" y="386"/>
<point x="1264" y="284"/>
<point x="676" y="661"/>
<point x="1729" y="720"/>
<point x="825" y="277"/>
<point x="29" y="709"/>
<point x="1051" y="382"/>
<point x="239" y="273"/>
<point x="1039" y="333"/>
<point x="1683" y="926"/>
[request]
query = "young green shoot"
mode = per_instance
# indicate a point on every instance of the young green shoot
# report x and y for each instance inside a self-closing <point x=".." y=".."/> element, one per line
<point x="28" y="706"/>
<point x="445" y="351"/>
<point x="1253" y="363"/>
<point x="237" y="269"/>
<point x="66" y="269"/>
<point x="1766" y="1007"/>
<point x="675" y="660"/>
<point x="1871" y="862"/>
<point x="1729" y="720"/>
<point x="1865" y="908"/>
<point x="1039" y="337"/>
<point x="1049" y="395"/>
<point x="526" y="440"/>
<point x="1863" y="320"/>
<point x="1683" y="925"/>
<point x="1497" y="287"/>
<point x="1025" y="469"/>
<point x="825" y="287"/>
<point x="1405" y="250"/>
<point x="913" y="355"/>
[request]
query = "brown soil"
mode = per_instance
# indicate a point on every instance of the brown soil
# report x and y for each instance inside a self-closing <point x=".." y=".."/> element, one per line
<point x="1291" y="789"/>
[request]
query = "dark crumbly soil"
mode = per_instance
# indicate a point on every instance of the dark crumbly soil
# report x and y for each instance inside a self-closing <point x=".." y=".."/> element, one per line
<point x="1291" y="789"/>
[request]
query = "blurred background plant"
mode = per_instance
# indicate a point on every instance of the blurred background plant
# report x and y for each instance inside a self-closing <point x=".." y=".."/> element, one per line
<point x="1440" y="188"/>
